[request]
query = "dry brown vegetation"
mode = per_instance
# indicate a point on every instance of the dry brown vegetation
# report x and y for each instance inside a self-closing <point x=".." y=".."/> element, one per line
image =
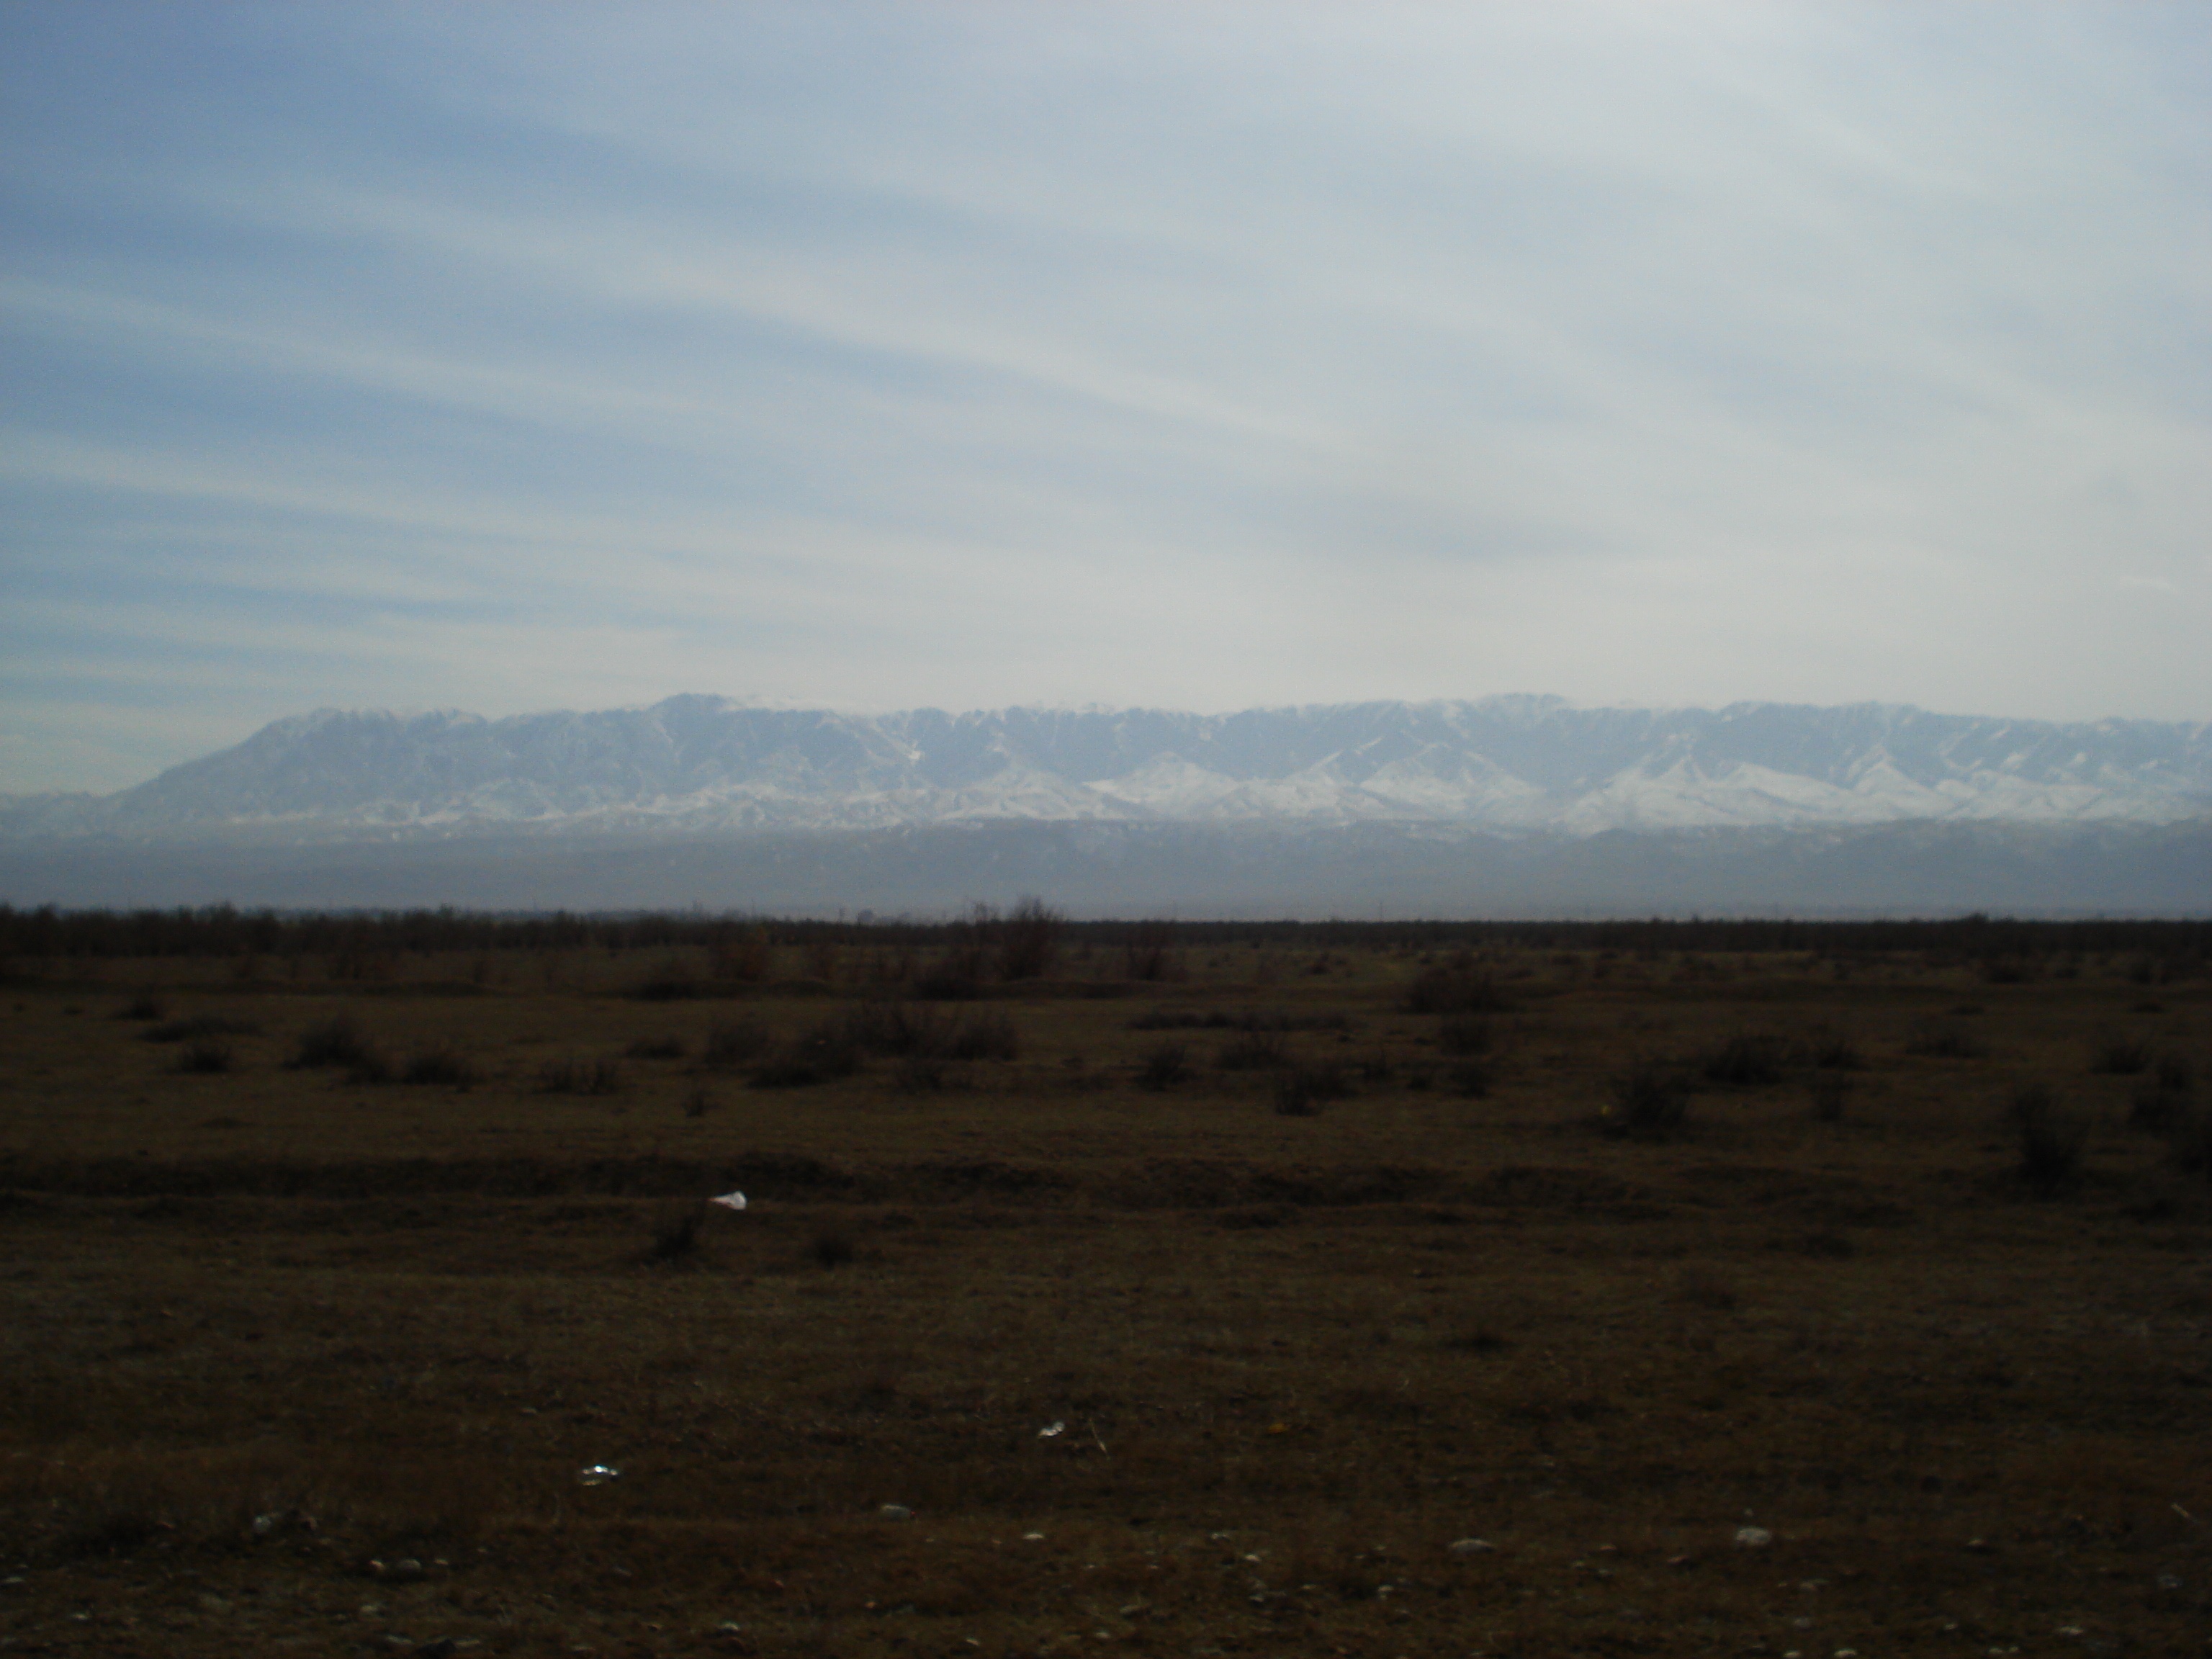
<point x="1596" y="1245"/>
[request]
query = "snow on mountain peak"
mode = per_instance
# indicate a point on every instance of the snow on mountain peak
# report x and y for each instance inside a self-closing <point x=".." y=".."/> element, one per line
<point x="701" y="763"/>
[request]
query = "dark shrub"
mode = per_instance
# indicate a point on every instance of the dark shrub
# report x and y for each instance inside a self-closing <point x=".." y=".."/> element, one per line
<point x="668" y="987"/>
<point x="1830" y="1096"/>
<point x="1831" y="1051"/>
<point x="1302" y="1092"/>
<point x="1463" y="1036"/>
<point x="984" y="1037"/>
<point x="1029" y="939"/>
<point x="896" y="1029"/>
<point x="822" y="1055"/>
<point x="575" y="1076"/>
<point x="1748" y="1060"/>
<point x="1254" y="1051"/>
<point x="2189" y="1141"/>
<point x="199" y="1025"/>
<point x="2027" y="1101"/>
<point x="1161" y="1018"/>
<point x="369" y="1065"/>
<point x="1470" y="1080"/>
<point x="2051" y="1140"/>
<point x="205" y="1056"/>
<point x="1945" y="1040"/>
<point x="1241" y="1019"/>
<point x="744" y="957"/>
<point x="953" y="982"/>
<point x="734" y="1042"/>
<point x="675" y="1238"/>
<point x="1649" y="1102"/>
<point x="439" y="1065"/>
<point x="667" y="1048"/>
<point x="2118" y="1056"/>
<point x="1456" y="989"/>
<point x="119" y="1530"/>
<point x="698" y="1103"/>
<point x="142" y="1007"/>
<point x="1150" y="955"/>
<point x="1165" y="1064"/>
<point x="921" y="1074"/>
<point x="2157" y="1109"/>
<point x="832" y="1248"/>
<point x="334" y="1041"/>
<point x="1702" y="1287"/>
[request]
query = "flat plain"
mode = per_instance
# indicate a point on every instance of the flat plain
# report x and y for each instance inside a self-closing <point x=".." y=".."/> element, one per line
<point x="1503" y="1290"/>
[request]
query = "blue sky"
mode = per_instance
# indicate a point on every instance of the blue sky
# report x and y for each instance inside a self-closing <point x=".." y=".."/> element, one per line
<point x="512" y="357"/>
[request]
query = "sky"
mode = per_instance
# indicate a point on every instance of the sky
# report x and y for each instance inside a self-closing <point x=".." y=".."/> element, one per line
<point x="511" y="357"/>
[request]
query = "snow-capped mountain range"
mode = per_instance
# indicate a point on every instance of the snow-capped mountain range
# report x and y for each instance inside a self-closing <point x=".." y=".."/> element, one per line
<point x="706" y="765"/>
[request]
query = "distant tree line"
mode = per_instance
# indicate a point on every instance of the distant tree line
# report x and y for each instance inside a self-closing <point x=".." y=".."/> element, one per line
<point x="1032" y="933"/>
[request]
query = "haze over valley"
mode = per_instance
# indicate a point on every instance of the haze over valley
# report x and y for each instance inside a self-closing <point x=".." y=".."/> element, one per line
<point x="1510" y="803"/>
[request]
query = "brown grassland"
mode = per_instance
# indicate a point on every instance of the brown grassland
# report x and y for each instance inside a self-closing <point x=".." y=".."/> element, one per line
<point x="1760" y="1289"/>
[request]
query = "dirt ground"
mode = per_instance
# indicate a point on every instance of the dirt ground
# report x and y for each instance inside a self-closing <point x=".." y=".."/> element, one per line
<point x="1484" y="1299"/>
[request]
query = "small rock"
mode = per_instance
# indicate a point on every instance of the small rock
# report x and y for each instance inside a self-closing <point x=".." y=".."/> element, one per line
<point x="1753" y="1538"/>
<point x="1471" y="1547"/>
<point x="895" y="1512"/>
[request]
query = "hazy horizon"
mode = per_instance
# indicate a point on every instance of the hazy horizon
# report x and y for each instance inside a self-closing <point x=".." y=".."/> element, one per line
<point x="512" y="359"/>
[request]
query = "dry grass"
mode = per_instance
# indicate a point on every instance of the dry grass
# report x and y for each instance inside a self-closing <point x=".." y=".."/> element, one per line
<point x="270" y="1335"/>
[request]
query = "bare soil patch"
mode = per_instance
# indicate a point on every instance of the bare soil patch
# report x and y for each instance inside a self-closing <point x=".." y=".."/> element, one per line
<point x="1044" y="1352"/>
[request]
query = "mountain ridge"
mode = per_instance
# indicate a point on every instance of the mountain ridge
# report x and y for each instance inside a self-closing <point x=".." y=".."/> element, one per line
<point x="696" y="763"/>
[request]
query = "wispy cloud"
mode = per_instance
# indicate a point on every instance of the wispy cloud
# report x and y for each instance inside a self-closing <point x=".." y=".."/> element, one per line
<point x="1197" y="355"/>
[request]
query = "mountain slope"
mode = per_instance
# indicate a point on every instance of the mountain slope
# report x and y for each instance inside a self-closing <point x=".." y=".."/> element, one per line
<point x="703" y="765"/>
